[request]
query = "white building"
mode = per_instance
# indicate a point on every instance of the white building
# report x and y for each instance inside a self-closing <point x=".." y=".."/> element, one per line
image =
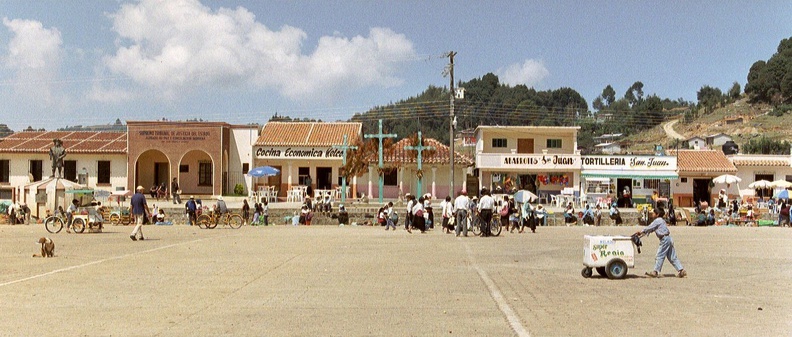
<point x="98" y="160"/>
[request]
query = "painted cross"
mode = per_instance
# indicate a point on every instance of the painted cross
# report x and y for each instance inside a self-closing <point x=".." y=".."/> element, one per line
<point x="344" y="147"/>
<point x="420" y="148"/>
<point x="381" y="136"/>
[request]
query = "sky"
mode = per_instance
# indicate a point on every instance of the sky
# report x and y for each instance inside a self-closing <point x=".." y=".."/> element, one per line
<point x="65" y="63"/>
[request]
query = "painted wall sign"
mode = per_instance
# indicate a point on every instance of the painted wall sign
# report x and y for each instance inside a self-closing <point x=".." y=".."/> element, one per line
<point x="298" y="153"/>
<point x="173" y="136"/>
<point x="666" y="163"/>
<point x="557" y="161"/>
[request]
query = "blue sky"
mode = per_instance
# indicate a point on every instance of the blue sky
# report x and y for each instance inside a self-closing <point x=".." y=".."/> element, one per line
<point x="90" y="62"/>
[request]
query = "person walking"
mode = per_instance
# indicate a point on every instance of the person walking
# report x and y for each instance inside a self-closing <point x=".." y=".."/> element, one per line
<point x="139" y="209"/>
<point x="265" y="212"/>
<point x="485" y="207"/>
<point x="245" y="211"/>
<point x="461" y="207"/>
<point x="418" y="216"/>
<point x="528" y="218"/>
<point x="447" y="212"/>
<point x="408" y="214"/>
<point x="175" y="191"/>
<point x="191" y="209"/>
<point x="389" y="211"/>
<point x="666" y="248"/>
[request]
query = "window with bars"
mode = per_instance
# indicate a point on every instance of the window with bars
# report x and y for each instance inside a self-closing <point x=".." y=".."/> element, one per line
<point x="5" y="171"/>
<point x="553" y="143"/>
<point x="652" y="184"/>
<point x="205" y="173"/>
<point x="499" y="142"/>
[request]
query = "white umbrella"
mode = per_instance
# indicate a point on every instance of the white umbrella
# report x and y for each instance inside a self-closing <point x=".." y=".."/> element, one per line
<point x="781" y="184"/>
<point x="524" y="195"/>
<point x="760" y="184"/>
<point x="726" y="179"/>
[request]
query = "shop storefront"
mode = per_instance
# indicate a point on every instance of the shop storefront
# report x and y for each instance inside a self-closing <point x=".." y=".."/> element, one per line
<point x="696" y="170"/>
<point x="307" y="155"/>
<point x="605" y="178"/>
<point x="543" y="160"/>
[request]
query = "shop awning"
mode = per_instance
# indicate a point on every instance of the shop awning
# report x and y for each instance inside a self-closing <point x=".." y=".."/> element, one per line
<point x="659" y="174"/>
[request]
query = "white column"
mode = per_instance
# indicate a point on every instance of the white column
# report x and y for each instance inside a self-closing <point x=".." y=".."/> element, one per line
<point x="434" y="179"/>
<point x="401" y="181"/>
<point x="370" y="186"/>
<point x="289" y="179"/>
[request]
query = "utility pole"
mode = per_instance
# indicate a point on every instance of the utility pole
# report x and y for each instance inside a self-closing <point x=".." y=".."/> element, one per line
<point x="451" y="55"/>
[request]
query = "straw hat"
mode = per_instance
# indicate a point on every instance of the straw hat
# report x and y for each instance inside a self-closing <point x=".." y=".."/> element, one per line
<point x="140" y="188"/>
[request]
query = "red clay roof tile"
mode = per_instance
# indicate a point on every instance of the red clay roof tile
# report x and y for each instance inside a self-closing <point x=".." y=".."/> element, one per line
<point x="704" y="161"/>
<point x="308" y="134"/>
<point x="73" y="141"/>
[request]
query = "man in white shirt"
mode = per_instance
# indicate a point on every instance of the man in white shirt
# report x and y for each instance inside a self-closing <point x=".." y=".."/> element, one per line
<point x="485" y="207"/>
<point x="461" y="204"/>
<point x="408" y="219"/>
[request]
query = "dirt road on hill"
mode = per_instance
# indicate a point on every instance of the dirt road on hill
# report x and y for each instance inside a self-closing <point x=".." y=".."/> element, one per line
<point x="363" y="281"/>
<point x="669" y="130"/>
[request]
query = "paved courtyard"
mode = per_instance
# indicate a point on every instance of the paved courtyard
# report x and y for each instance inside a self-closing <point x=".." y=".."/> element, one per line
<point x="359" y="281"/>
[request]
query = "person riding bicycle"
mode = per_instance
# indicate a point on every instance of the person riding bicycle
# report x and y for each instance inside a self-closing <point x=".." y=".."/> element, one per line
<point x="70" y="214"/>
<point x="220" y="209"/>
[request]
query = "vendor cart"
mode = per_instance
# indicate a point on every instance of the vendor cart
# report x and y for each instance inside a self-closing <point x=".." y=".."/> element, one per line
<point x="120" y="213"/>
<point x="611" y="256"/>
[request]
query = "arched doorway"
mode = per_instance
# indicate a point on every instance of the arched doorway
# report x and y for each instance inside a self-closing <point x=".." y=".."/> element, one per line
<point x="196" y="173"/>
<point x="152" y="168"/>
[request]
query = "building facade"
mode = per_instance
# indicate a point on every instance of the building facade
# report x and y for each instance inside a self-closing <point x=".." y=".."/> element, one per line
<point x="199" y="155"/>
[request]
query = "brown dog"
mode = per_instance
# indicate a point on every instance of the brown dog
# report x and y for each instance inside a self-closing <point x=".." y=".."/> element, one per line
<point x="47" y="247"/>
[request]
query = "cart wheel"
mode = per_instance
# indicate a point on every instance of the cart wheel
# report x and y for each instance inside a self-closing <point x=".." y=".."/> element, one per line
<point x="586" y="272"/>
<point x="203" y="221"/>
<point x="616" y="269"/>
<point x="601" y="271"/>
<point x="115" y="219"/>
<point x="78" y="225"/>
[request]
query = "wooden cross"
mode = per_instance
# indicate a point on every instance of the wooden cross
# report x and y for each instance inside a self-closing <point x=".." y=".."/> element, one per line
<point x="420" y="148"/>
<point x="381" y="136"/>
<point x="344" y="147"/>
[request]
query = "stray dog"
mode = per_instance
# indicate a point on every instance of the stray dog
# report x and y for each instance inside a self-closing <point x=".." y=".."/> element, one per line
<point x="47" y="247"/>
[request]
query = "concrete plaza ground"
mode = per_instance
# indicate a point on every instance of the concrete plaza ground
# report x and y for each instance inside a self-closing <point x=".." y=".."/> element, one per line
<point x="359" y="281"/>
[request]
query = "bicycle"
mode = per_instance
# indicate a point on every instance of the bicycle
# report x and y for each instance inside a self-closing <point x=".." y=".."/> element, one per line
<point x="474" y="224"/>
<point x="54" y="223"/>
<point x="211" y="220"/>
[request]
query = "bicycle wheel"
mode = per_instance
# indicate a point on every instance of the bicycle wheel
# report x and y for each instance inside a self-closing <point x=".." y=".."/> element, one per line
<point x="78" y="225"/>
<point x="115" y="219"/>
<point x="495" y="227"/>
<point x="203" y="221"/>
<point x="212" y="222"/>
<point x="53" y="224"/>
<point x="235" y="221"/>
<point x="476" y="226"/>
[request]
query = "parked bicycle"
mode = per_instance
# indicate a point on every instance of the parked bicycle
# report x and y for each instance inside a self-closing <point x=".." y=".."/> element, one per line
<point x="474" y="224"/>
<point x="211" y="219"/>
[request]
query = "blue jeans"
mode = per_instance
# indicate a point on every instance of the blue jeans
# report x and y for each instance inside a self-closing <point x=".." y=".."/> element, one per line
<point x="389" y="223"/>
<point x="666" y="250"/>
<point x="461" y="222"/>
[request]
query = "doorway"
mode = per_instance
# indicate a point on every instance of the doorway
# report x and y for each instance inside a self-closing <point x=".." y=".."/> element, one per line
<point x="161" y="174"/>
<point x="621" y="184"/>
<point x="324" y="178"/>
<point x="702" y="190"/>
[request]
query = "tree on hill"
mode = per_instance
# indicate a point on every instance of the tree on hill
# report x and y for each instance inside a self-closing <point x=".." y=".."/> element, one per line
<point x="764" y="145"/>
<point x="771" y="81"/>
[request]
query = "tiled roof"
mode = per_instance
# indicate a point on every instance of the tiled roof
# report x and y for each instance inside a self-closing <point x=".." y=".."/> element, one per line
<point x="769" y="162"/>
<point x="308" y="134"/>
<point x="439" y="155"/>
<point x="704" y="161"/>
<point x="73" y="141"/>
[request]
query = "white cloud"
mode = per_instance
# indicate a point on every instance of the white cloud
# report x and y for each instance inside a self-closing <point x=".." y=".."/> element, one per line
<point x="530" y="73"/>
<point x="178" y="45"/>
<point x="34" y="56"/>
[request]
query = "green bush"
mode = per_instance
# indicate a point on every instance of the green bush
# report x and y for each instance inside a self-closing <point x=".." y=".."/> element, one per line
<point x="239" y="189"/>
